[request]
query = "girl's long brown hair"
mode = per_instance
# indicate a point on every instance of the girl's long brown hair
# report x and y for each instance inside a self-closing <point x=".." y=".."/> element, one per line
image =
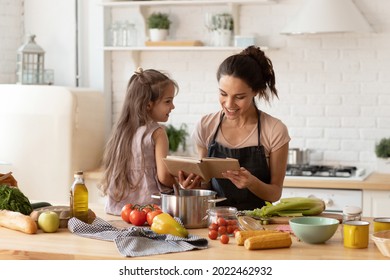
<point x="144" y="86"/>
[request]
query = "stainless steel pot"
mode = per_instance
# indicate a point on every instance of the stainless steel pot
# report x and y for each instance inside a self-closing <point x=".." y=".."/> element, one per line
<point x="190" y="206"/>
<point x="297" y="156"/>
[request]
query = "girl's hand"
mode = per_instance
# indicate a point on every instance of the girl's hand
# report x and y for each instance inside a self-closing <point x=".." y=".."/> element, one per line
<point x="240" y="178"/>
<point x="191" y="182"/>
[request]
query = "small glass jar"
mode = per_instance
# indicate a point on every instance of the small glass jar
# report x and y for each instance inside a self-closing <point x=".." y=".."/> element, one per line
<point x="352" y="213"/>
<point x="223" y="219"/>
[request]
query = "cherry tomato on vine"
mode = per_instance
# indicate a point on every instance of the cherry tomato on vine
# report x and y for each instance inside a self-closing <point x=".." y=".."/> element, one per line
<point x="156" y="207"/>
<point x="147" y="209"/>
<point x="125" y="212"/>
<point x="150" y="216"/>
<point x="137" y="217"/>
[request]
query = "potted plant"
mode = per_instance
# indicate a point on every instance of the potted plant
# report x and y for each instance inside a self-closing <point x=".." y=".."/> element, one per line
<point x="382" y="151"/>
<point x="158" y="24"/>
<point x="222" y="26"/>
<point x="177" y="137"/>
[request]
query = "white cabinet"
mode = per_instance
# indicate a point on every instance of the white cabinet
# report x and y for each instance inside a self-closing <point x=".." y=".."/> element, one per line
<point x="376" y="203"/>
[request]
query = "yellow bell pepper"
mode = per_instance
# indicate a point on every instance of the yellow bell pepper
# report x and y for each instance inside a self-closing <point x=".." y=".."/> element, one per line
<point x="166" y="224"/>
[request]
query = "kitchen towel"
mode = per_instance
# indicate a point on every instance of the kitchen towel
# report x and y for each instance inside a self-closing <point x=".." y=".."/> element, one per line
<point x="136" y="241"/>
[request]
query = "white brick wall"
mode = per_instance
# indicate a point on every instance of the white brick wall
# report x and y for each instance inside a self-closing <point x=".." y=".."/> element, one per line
<point x="11" y="37"/>
<point x="334" y="89"/>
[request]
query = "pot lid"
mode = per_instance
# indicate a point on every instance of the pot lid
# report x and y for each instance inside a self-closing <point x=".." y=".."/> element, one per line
<point x="352" y="210"/>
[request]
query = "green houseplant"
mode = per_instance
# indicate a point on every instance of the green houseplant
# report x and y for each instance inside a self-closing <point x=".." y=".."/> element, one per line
<point x="159" y="21"/>
<point x="177" y="137"/>
<point x="158" y="24"/>
<point x="222" y="26"/>
<point x="382" y="149"/>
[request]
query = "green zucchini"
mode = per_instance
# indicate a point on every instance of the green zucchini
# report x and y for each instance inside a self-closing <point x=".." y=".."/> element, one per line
<point x="37" y="205"/>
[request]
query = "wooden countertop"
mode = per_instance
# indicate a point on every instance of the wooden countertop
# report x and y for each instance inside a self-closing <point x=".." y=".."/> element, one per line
<point x="374" y="181"/>
<point x="64" y="245"/>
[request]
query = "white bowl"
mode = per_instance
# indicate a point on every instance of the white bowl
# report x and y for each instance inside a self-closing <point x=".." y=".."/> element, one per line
<point x="382" y="241"/>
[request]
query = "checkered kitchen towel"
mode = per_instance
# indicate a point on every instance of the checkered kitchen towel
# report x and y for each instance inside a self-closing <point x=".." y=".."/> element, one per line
<point x="136" y="241"/>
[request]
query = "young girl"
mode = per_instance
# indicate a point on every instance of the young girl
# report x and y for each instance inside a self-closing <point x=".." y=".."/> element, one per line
<point x="134" y="168"/>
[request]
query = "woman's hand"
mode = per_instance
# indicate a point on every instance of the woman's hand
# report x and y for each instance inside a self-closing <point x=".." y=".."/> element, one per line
<point x="192" y="181"/>
<point x="240" y="178"/>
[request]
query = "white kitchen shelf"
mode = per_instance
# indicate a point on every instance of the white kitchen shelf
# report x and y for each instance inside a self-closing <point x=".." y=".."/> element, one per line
<point x="184" y="2"/>
<point x="195" y="48"/>
<point x="141" y="9"/>
<point x="233" y="4"/>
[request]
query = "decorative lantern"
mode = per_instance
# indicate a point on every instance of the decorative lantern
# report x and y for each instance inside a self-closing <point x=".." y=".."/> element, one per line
<point x="30" y="63"/>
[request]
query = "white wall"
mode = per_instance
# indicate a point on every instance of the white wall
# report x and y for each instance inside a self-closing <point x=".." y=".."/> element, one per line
<point x="334" y="89"/>
<point x="53" y="23"/>
<point x="11" y="36"/>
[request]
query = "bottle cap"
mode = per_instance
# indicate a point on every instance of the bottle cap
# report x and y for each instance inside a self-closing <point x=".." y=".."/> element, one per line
<point x="78" y="174"/>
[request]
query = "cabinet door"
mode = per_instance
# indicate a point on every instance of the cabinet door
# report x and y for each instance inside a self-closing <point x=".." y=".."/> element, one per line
<point x="376" y="203"/>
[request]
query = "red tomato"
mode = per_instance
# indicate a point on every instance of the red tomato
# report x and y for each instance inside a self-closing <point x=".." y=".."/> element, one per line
<point x="221" y="221"/>
<point x="147" y="209"/>
<point x="137" y="217"/>
<point x="213" y="226"/>
<point x="125" y="212"/>
<point x="150" y="216"/>
<point x="213" y="234"/>
<point x="230" y="229"/>
<point x="222" y="230"/>
<point x="156" y="207"/>
<point x="224" y="239"/>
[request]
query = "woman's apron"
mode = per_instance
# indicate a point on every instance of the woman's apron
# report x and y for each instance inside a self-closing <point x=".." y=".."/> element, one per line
<point x="253" y="159"/>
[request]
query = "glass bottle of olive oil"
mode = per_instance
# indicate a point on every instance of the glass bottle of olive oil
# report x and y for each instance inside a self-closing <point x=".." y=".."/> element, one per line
<point x="79" y="198"/>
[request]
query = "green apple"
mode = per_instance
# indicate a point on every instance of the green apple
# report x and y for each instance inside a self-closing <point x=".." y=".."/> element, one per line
<point x="49" y="221"/>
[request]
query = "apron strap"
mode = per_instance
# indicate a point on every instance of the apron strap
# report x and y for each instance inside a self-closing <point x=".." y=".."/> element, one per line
<point x="258" y="128"/>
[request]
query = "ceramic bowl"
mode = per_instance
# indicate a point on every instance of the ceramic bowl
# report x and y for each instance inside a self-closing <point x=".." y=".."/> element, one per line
<point x="313" y="229"/>
<point x="382" y="241"/>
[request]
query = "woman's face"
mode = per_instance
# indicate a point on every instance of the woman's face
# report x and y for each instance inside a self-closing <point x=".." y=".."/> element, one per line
<point x="235" y="96"/>
<point x="160" y="109"/>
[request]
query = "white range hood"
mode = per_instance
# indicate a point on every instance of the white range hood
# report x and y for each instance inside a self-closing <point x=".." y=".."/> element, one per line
<point x="327" y="16"/>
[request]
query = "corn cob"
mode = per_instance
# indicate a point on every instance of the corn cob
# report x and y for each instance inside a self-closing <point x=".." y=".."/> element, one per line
<point x="268" y="241"/>
<point x="292" y="206"/>
<point x="242" y="235"/>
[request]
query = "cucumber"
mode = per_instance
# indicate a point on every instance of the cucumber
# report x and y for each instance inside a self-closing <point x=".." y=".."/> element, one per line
<point x="37" y="205"/>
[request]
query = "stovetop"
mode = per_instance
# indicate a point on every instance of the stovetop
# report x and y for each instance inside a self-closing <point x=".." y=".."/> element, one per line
<point x="324" y="171"/>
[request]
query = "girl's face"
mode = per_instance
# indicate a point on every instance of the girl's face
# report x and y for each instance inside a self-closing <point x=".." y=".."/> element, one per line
<point x="160" y="109"/>
<point x="235" y="96"/>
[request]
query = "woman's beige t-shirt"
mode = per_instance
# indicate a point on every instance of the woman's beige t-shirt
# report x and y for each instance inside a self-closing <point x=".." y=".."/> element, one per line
<point x="274" y="133"/>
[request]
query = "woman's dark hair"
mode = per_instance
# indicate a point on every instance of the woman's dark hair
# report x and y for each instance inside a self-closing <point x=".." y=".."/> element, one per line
<point x="254" y="68"/>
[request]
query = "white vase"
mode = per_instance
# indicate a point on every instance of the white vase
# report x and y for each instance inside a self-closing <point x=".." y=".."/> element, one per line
<point x="222" y="38"/>
<point x="158" y="34"/>
<point x="383" y="165"/>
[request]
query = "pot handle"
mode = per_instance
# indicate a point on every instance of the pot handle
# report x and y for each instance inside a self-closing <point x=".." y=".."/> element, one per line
<point x="217" y="199"/>
<point x="156" y="196"/>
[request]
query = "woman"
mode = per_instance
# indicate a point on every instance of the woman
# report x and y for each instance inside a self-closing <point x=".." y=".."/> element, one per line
<point x="240" y="130"/>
